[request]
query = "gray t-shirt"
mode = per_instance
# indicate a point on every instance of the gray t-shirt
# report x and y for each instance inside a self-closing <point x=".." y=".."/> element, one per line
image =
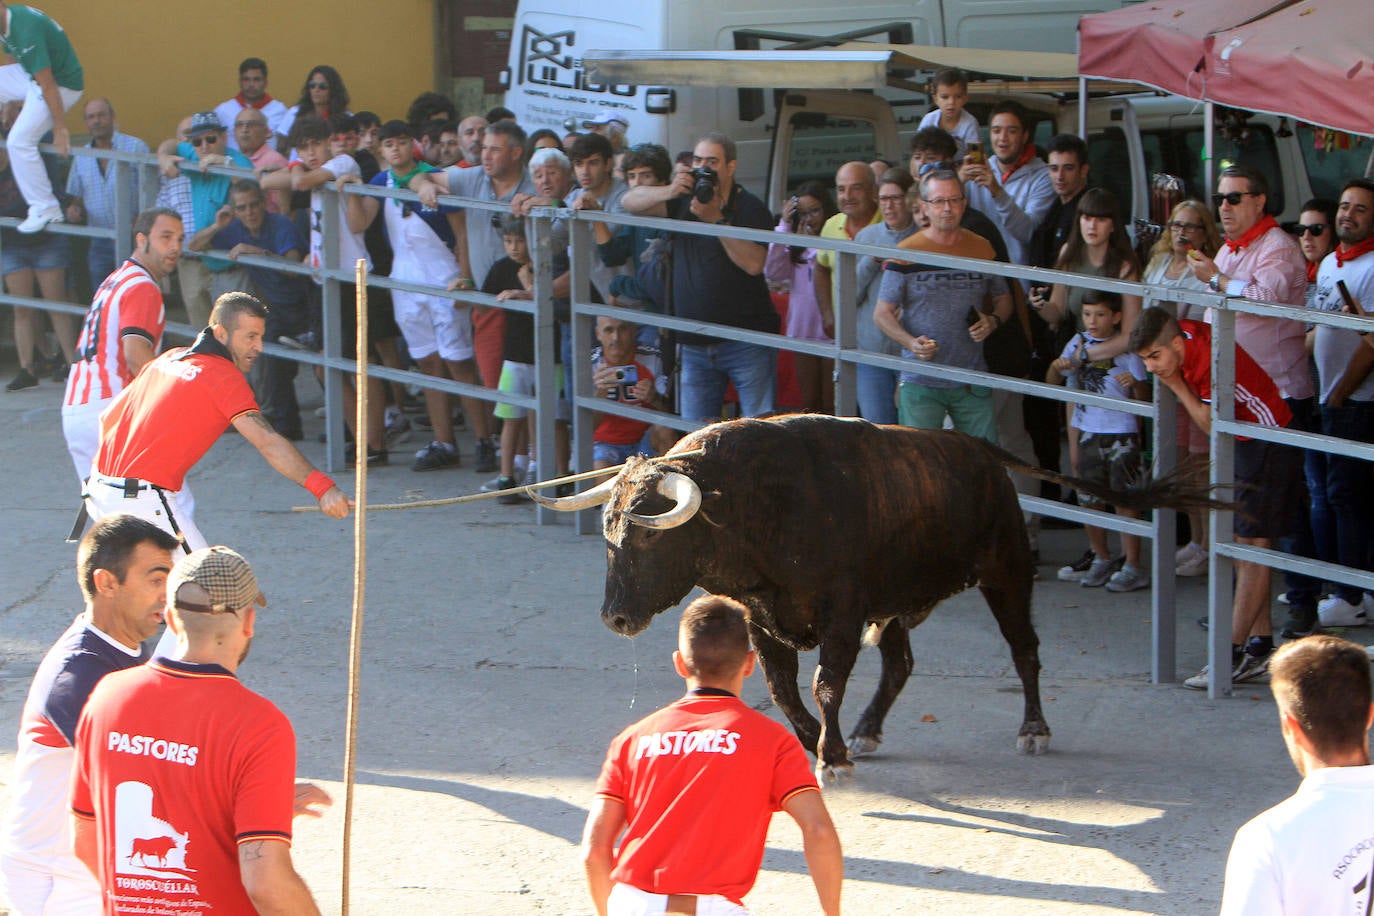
<point x="484" y="239"/>
<point x="867" y="283"/>
<point x="937" y="302"/>
<point x="601" y="274"/>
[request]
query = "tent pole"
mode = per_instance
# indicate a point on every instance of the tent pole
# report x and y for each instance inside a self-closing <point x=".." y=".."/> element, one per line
<point x="1209" y="142"/>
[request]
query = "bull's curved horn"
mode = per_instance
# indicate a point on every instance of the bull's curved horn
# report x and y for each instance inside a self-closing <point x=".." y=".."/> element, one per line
<point x="686" y="496"/>
<point x="585" y="500"/>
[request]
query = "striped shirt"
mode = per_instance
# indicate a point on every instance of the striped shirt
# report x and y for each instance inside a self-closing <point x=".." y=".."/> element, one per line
<point x="127" y="303"/>
<point x="96" y="188"/>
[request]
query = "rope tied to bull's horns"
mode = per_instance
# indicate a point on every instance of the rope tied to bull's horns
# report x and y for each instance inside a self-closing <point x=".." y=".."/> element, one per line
<point x="478" y="497"/>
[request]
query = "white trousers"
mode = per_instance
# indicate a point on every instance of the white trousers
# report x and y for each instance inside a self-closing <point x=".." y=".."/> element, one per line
<point x="33" y="122"/>
<point x="65" y="889"/>
<point x="627" y="900"/>
<point x="105" y="496"/>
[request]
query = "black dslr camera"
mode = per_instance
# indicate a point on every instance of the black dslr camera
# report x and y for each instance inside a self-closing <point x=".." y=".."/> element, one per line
<point x="705" y="183"/>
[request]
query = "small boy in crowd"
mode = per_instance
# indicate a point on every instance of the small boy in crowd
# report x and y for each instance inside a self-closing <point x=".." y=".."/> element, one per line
<point x="950" y="97"/>
<point x="1106" y="449"/>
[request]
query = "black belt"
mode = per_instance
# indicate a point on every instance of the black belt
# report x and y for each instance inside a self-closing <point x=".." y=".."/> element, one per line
<point x="130" y="485"/>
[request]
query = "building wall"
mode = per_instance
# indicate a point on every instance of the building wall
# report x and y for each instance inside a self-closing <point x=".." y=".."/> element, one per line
<point x="158" y="62"/>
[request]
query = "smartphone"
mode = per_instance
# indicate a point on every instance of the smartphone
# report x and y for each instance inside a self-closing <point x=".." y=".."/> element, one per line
<point x="1350" y="305"/>
<point x="975" y="153"/>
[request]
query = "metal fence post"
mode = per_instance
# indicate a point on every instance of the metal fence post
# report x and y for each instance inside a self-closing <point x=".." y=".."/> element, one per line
<point x="331" y="303"/>
<point x="1220" y="590"/>
<point x="545" y="362"/>
<point x="846" y="334"/>
<point x="124" y="204"/>
<point x="579" y="374"/>
<point x="1163" y="611"/>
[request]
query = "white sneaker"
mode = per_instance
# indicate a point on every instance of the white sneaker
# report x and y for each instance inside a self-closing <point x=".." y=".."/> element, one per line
<point x="1191" y="561"/>
<point x="1200" y="680"/>
<point x="1337" y="612"/>
<point x="36" y="221"/>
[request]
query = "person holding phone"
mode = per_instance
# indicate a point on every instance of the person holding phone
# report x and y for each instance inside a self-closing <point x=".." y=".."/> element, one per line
<point x="1342" y="488"/>
<point x="625" y="371"/>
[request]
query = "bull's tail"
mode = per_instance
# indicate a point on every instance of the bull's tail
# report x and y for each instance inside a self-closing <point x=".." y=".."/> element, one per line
<point x="1179" y="490"/>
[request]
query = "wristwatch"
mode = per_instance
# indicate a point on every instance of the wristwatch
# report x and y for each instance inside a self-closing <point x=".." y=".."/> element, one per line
<point x="1214" y="284"/>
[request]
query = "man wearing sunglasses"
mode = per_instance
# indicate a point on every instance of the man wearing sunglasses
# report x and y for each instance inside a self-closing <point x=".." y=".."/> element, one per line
<point x="1259" y="261"/>
<point x="206" y="145"/>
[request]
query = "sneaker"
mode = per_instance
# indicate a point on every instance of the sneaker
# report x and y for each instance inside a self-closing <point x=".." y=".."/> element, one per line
<point x="36" y="221"/>
<point x="486" y="457"/>
<point x="531" y="474"/>
<point x="1128" y="579"/>
<point x="376" y="457"/>
<point x="434" y="456"/>
<point x="1191" y="561"/>
<point x="1097" y="575"/>
<point x="1252" y="668"/>
<point x="25" y="379"/>
<point x="1203" y="679"/>
<point x="491" y="486"/>
<point x="1075" y="571"/>
<point x="60" y="371"/>
<point x="513" y="497"/>
<point x="1301" y="622"/>
<point x="397" y="428"/>
<point x="1337" y="612"/>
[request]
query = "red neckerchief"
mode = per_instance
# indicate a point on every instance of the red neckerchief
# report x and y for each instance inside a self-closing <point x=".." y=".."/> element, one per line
<point x="247" y="104"/>
<point x="1027" y="155"/>
<point x="1344" y="254"/>
<point x="1255" y="232"/>
<point x="1311" y="272"/>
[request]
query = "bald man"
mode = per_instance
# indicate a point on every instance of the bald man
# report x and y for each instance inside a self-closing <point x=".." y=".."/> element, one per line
<point x="856" y="192"/>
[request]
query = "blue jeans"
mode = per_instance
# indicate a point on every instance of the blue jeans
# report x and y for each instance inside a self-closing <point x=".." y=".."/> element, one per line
<point x="1342" y="493"/>
<point x="100" y="261"/>
<point x="707" y="369"/>
<point x="877" y="393"/>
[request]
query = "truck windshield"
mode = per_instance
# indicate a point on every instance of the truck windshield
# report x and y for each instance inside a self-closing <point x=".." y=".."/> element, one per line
<point x="1179" y="152"/>
<point x="1331" y="158"/>
<point x="821" y="144"/>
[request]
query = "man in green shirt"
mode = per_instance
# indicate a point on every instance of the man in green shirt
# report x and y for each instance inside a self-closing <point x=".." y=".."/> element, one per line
<point x="48" y="80"/>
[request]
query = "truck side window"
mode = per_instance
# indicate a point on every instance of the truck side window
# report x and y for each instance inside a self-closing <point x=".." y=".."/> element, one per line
<point x="1179" y="152"/>
<point x="1329" y="169"/>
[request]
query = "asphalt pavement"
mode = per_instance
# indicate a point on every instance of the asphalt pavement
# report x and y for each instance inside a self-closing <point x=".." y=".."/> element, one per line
<point x="490" y="690"/>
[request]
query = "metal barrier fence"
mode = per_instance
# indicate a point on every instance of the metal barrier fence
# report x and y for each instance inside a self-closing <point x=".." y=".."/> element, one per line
<point x="844" y="351"/>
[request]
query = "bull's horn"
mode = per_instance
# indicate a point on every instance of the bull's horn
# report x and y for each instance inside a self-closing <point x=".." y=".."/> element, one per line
<point x="585" y="500"/>
<point x="684" y="493"/>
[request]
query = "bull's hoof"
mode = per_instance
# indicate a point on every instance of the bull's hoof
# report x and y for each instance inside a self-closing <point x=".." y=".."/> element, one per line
<point x="860" y="745"/>
<point x="832" y="774"/>
<point x="1034" y="744"/>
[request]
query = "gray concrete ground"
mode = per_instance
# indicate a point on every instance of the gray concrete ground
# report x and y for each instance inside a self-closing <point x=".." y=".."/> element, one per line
<point x="490" y="690"/>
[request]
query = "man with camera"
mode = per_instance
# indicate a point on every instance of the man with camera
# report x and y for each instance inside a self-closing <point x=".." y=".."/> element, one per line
<point x="716" y="279"/>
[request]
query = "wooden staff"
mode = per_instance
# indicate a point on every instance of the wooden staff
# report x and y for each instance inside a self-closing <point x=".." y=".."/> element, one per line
<point x="355" y="645"/>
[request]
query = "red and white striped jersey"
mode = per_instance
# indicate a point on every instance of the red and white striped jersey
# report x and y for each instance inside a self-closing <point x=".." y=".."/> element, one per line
<point x="128" y="302"/>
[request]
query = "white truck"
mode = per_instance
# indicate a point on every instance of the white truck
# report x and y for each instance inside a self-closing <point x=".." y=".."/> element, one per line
<point x="548" y="84"/>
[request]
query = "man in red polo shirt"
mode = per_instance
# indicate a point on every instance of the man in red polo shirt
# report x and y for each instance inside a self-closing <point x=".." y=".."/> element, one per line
<point x="171" y="414"/>
<point x="695" y="785"/>
<point x="1271" y="487"/>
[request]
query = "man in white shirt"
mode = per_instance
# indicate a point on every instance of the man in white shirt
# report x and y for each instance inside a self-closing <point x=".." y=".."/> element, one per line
<point x="252" y="94"/>
<point x="1311" y="853"/>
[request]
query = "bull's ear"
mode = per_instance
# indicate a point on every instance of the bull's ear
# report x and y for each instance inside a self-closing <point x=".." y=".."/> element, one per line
<point x="707" y="501"/>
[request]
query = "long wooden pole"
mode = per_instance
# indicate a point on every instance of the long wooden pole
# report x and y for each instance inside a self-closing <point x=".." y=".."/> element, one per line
<point x="355" y="646"/>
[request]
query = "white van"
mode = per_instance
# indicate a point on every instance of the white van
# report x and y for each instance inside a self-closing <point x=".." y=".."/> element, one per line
<point x="547" y="85"/>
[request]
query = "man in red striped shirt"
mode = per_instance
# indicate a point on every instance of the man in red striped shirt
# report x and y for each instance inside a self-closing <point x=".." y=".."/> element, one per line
<point x="122" y="332"/>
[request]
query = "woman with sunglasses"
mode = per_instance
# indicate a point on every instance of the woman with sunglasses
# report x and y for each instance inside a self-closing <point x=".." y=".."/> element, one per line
<point x="788" y="268"/>
<point x="323" y="94"/>
<point x="1100" y="248"/>
<point x="1316" y="232"/>
<point x="1190" y="226"/>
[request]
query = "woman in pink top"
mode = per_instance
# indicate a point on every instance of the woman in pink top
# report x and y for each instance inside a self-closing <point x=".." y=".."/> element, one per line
<point x="788" y="269"/>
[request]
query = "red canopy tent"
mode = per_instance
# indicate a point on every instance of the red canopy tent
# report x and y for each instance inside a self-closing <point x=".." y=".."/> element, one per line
<point x="1312" y="60"/>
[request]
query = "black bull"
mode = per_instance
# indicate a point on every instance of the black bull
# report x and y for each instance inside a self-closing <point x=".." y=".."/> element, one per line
<point x="823" y="527"/>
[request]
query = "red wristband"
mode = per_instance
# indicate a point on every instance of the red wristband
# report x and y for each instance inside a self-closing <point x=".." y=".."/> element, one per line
<point x="318" y="484"/>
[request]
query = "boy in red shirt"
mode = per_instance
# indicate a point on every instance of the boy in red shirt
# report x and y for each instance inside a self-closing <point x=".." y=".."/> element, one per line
<point x="1270" y="481"/>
